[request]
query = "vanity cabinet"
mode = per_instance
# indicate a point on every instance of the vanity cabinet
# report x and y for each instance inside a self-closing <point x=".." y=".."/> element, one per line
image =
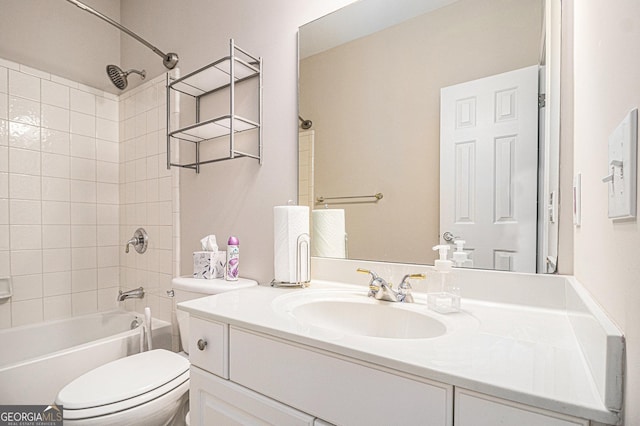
<point x="496" y="411"/>
<point x="246" y="377"/>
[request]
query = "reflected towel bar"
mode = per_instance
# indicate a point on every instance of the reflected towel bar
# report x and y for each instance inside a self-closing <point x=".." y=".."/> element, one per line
<point x="377" y="196"/>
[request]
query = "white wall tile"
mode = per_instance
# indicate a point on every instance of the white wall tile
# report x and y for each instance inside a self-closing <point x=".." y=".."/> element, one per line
<point x="83" y="214"/>
<point x="107" y="193"/>
<point x="26" y="237"/>
<point x="83" y="146"/>
<point x="56" y="260"/>
<point x="141" y="169"/>
<point x="141" y="191"/>
<point x="83" y="169"/>
<point x="84" y="258"/>
<point x="108" y="235"/>
<point x="5" y="315"/>
<point x="56" y="283"/>
<point x="34" y="72"/>
<point x="107" y="151"/>
<point x="24" y="161"/>
<point x="4" y="185"/>
<point x="56" y="212"/>
<point x="4" y="106"/>
<point x="83" y="102"/>
<point x="55" y="118"/>
<point x="108" y="172"/>
<point x="27" y="287"/>
<point x="4" y="159"/>
<point x="4" y="84"/>
<point x="108" y="256"/>
<point x="26" y="262"/>
<point x="152" y="190"/>
<point x="5" y="263"/>
<point x="83" y="236"/>
<point x="25" y="212"/>
<point x="23" y="85"/>
<point x="108" y="277"/>
<point x="4" y="211"/>
<point x="84" y="280"/>
<point x="57" y="307"/>
<point x="26" y="312"/>
<point x="108" y="214"/>
<point x="107" y="108"/>
<point x="165" y="189"/>
<point x="55" y="141"/>
<point x="107" y="299"/>
<point x="54" y="94"/>
<point x="83" y="191"/>
<point x="84" y="303"/>
<point x="24" y="111"/>
<point x="5" y="242"/>
<point x="55" y="189"/>
<point x="83" y="124"/>
<point x="4" y="131"/>
<point x="55" y="165"/>
<point x="140" y="146"/>
<point x="24" y="187"/>
<point x="56" y="236"/>
<point x="25" y="136"/>
<point x="107" y="130"/>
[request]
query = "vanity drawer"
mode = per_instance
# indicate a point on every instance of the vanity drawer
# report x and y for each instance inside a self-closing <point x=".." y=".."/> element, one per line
<point x="209" y="346"/>
<point x="335" y="388"/>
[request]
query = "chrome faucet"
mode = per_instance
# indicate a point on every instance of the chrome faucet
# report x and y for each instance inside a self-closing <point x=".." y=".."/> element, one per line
<point x="382" y="290"/>
<point x="136" y="293"/>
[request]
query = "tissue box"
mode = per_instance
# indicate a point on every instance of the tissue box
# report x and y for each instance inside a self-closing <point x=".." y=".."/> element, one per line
<point x="209" y="264"/>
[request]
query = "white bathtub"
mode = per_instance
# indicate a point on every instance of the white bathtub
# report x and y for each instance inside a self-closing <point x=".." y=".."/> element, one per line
<point x="36" y="361"/>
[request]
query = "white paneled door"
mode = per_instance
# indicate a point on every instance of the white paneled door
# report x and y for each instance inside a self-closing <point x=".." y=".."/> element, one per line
<point x="488" y="168"/>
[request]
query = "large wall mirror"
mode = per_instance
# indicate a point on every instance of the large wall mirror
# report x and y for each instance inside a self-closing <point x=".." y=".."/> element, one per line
<point x="421" y="123"/>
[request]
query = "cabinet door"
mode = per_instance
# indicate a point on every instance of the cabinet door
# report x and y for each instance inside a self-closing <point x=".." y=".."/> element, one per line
<point x="476" y="409"/>
<point x="212" y="354"/>
<point x="215" y="401"/>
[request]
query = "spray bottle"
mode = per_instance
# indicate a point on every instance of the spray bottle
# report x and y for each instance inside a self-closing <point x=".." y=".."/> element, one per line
<point x="233" y="259"/>
<point x="446" y="299"/>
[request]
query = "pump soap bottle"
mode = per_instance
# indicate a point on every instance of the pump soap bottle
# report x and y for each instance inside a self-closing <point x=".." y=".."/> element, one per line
<point x="447" y="298"/>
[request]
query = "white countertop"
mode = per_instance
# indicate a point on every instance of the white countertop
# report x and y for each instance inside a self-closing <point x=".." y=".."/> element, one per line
<point x="524" y="354"/>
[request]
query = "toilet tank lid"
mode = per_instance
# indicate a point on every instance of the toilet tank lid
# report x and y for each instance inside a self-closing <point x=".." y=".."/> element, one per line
<point x="214" y="286"/>
<point x="123" y="379"/>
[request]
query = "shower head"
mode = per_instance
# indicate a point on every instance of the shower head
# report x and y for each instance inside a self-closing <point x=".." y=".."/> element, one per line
<point x="119" y="77"/>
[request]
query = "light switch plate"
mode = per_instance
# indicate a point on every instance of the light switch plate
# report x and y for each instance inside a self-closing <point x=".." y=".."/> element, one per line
<point x="622" y="168"/>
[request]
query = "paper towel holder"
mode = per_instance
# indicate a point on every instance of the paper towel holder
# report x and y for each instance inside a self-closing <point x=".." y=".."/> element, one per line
<point x="302" y="248"/>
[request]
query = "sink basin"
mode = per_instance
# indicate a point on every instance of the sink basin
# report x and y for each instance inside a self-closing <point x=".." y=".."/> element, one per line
<point x="353" y="313"/>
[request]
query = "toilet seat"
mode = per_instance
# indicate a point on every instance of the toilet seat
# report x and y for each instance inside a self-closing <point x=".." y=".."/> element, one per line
<point x="123" y="384"/>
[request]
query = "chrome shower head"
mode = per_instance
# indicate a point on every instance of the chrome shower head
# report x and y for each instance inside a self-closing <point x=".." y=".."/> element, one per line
<point x="119" y="77"/>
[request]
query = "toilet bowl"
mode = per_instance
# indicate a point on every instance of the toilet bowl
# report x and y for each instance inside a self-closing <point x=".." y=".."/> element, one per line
<point x="150" y="388"/>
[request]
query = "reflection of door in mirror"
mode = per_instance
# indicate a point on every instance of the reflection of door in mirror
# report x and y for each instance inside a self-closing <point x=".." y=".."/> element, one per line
<point x="488" y="168"/>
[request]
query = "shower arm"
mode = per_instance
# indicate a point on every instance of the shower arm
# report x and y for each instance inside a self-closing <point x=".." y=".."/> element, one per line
<point x="168" y="59"/>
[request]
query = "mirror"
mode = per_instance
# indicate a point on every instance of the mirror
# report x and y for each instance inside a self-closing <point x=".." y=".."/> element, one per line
<point x="370" y="81"/>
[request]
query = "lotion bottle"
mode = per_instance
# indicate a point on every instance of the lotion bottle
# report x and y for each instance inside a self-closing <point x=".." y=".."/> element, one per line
<point x="233" y="259"/>
<point x="446" y="299"/>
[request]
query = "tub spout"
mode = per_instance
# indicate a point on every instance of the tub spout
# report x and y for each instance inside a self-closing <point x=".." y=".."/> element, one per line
<point x="136" y="293"/>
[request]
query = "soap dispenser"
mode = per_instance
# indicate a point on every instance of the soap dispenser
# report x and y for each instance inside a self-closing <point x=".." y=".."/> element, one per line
<point x="460" y="257"/>
<point x="447" y="297"/>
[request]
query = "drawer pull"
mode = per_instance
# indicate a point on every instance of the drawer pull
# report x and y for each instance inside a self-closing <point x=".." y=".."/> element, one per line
<point x="202" y="344"/>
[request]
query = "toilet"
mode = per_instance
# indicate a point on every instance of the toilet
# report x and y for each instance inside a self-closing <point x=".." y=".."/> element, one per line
<point x="150" y="388"/>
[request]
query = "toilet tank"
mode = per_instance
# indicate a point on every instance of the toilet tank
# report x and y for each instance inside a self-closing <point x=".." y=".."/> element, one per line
<point x="187" y="288"/>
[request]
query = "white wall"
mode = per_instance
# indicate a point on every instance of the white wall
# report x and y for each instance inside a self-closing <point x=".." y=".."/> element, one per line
<point x="607" y="87"/>
<point x="234" y="197"/>
<point x="58" y="37"/>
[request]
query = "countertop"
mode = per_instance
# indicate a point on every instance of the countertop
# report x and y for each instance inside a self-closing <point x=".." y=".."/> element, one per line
<point x="524" y="354"/>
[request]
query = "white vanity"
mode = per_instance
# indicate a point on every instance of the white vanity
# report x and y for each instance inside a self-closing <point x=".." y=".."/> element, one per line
<point x="526" y="350"/>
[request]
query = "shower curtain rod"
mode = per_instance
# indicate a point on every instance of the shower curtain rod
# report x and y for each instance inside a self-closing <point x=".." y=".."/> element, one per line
<point x="168" y="59"/>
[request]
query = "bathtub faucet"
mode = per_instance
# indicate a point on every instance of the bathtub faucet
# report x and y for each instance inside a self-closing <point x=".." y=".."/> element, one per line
<point x="136" y="293"/>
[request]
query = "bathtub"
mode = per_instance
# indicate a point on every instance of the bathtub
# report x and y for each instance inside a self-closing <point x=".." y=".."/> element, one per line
<point x="36" y="361"/>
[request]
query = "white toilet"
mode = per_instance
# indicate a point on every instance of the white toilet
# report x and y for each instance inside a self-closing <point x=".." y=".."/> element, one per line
<point x="150" y="388"/>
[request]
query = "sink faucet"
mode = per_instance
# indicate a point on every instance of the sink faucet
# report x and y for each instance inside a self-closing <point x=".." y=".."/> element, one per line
<point x="382" y="290"/>
<point x="136" y="293"/>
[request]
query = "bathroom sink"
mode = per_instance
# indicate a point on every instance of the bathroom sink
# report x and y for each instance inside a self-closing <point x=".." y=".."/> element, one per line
<point x="353" y="313"/>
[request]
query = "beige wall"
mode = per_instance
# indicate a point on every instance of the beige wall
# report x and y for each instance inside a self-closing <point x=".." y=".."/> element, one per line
<point x="607" y="87"/>
<point x="375" y="106"/>
<point x="235" y="197"/>
<point x="58" y="37"/>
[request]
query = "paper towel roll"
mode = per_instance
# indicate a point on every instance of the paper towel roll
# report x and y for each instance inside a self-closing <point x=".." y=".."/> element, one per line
<point x="328" y="233"/>
<point x="289" y="222"/>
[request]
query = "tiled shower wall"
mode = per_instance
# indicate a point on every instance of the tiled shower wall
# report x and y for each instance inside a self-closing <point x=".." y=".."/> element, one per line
<point x="148" y="198"/>
<point x="59" y="196"/>
<point x="80" y="170"/>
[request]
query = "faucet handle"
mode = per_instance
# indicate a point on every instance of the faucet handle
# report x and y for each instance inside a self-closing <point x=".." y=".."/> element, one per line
<point x="404" y="289"/>
<point x="373" y="287"/>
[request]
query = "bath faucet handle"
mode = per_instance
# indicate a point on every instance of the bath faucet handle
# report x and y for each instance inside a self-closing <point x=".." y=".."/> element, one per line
<point x="404" y="289"/>
<point x="374" y="284"/>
